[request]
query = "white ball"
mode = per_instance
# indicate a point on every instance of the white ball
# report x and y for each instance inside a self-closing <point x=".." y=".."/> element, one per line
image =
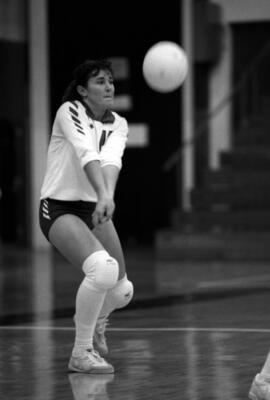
<point x="165" y="66"/>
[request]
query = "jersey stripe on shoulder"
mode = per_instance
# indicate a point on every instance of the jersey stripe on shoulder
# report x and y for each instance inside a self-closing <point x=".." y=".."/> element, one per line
<point x="78" y="125"/>
<point x="71" y="109"/>
<point x="76" y="118"/>
<point x="75" y="104"/>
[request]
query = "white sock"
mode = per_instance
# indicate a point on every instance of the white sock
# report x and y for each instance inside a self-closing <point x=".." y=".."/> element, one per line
<point x="89" y="302"/>
<point x="266" y="368"/>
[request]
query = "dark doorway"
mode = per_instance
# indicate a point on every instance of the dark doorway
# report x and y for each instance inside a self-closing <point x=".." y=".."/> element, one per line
<point x="251" y="65"/>
<point x="14" y="149"/>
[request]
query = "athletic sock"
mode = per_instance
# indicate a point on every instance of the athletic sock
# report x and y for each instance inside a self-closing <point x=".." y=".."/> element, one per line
<point x="266" y="367"/>
<point x="89" y="301"/>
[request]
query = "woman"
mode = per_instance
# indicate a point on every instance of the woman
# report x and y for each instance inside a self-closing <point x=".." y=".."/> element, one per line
<point x="77" y="205"/>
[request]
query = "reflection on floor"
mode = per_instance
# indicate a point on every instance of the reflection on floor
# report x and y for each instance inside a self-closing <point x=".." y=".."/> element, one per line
<point x="193" y="331"/>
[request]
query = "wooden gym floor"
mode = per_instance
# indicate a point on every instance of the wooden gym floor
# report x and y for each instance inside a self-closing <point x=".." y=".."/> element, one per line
<point x="194" y="330"/>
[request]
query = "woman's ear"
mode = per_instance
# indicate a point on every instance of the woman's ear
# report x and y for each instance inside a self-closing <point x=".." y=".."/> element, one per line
<point x="82" y="91"/>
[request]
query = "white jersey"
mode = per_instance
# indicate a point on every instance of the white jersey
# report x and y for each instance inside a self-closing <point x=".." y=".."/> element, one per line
<point x="77" y="138"/>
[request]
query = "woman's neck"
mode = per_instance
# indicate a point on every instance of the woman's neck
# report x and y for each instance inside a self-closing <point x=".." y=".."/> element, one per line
<point x="96" y="111"/>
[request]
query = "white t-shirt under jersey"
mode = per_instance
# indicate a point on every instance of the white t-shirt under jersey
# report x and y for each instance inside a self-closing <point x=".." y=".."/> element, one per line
<point x="77" y="138"/>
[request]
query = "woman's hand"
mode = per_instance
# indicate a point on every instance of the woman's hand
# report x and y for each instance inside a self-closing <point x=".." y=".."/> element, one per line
<point x="103" y="211"/>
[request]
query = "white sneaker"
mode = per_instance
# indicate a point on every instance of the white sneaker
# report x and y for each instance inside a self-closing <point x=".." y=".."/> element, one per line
<point x="99" y="338"/>
<point x="90" y="362"/>
<point x="260" y="388"/>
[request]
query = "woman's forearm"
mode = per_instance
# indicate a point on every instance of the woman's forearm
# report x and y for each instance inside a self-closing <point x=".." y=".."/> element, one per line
<point x="96" y="178"/>
<point x="110" y="175"/>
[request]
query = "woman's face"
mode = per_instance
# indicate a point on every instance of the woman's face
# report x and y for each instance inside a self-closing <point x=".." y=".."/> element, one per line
<point x="99" y="92"/>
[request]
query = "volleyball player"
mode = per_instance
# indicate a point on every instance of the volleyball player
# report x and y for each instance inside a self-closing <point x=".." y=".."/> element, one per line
<point x="77" y="205"/>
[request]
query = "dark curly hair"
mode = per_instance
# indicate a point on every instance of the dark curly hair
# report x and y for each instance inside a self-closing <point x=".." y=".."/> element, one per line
<point x="81" y="75"/>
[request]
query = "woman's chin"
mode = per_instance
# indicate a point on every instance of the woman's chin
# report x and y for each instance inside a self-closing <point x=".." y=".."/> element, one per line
<point x="109" y="103"/>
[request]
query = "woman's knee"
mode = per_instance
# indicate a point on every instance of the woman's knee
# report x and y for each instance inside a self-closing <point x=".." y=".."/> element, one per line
<point x="121" y="294"/>
<point x="101" y="270"/>
<point x="108" y="237"/>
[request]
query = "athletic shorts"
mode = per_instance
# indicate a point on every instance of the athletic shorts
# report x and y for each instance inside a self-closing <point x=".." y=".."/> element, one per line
<point x="51" y="209"/>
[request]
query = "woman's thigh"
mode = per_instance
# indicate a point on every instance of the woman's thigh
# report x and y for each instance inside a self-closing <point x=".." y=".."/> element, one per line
<point x="108" y="237"/>
<point x="73" y="239"/>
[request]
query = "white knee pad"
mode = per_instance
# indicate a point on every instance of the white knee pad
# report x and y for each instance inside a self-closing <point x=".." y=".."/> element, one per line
<point x="121" y="294"/>
<point x="101" y="270"/>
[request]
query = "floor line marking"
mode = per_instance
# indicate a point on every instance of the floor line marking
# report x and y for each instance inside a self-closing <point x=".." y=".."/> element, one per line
<point x="235" y="281"/>
<point x="153" y="329"/>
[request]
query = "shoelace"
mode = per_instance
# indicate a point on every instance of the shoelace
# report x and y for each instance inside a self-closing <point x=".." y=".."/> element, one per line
<point x="95" y="354"/>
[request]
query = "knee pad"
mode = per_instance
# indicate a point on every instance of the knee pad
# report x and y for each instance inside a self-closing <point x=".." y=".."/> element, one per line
<point x="101" y="270"/>
<point x="121" y="294"/>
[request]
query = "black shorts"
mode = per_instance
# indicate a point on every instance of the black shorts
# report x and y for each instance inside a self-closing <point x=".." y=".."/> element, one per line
<point x="51" y="209"/>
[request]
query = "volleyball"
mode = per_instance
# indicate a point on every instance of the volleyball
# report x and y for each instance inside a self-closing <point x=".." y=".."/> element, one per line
<point x="165" y="66"/>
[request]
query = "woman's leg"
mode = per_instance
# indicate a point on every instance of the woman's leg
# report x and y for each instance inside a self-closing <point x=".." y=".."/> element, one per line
<point x="266" y="367"/>
<point x="108" y="237"/>
<point x="73" y="239"/>
<point x="77" y="244"/>
<point x="121" y="294"/>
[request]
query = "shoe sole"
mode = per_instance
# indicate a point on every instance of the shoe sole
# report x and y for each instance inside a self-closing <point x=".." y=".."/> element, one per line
<point x="92" y="371"/>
